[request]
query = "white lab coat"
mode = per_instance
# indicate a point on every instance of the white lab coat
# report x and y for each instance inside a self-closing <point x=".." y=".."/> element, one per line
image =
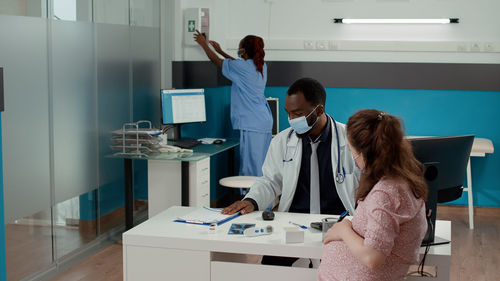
<point x="280" y="177"/>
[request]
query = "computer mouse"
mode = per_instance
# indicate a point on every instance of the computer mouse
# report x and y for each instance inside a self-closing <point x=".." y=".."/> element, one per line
<point x="217" y="142"/>
<point x="268" y="215"/>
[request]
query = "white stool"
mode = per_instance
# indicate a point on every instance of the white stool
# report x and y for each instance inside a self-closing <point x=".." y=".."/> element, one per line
<point x="479" y="149"/>
<point x="238" y="182"/>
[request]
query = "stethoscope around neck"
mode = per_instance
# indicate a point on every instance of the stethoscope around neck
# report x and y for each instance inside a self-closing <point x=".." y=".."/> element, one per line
<point x="340" y="175"/>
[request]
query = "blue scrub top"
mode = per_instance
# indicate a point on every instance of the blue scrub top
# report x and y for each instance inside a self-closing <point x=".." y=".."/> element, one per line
<point x="249" y="108"/>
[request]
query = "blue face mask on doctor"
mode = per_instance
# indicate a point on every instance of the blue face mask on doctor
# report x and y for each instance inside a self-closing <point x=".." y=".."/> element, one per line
<point x="300" y="124"/>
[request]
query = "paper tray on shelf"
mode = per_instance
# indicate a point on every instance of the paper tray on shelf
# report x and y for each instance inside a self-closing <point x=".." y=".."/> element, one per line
<point x="152" y="141"/>
<point x="130" y="148"/>
<point x="148" y="132"/>
<point x="135" y="139"/>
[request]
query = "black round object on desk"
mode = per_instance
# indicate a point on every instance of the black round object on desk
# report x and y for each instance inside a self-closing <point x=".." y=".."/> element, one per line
<point x="268" y="215"/>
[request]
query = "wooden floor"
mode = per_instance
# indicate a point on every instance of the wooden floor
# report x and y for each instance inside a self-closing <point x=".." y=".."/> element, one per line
<point x="28" y="248"/>
<point x="105" y="265"/>
<point x="475" y="253"/>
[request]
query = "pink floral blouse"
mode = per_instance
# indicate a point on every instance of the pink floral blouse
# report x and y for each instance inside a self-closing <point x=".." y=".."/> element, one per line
<point x="392" y="221"/>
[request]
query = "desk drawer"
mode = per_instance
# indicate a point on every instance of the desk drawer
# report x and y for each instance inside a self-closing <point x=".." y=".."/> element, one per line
<point x="203" y="184"/>
<point x="150" y="263"/>
<point x="200" y="170"/>
<point x="230" y="271"/>
<point x="199" y="183"/>
<point x="202" y="166"/>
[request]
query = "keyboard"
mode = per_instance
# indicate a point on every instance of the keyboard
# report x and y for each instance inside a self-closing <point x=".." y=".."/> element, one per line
<point x="184" y="143"/>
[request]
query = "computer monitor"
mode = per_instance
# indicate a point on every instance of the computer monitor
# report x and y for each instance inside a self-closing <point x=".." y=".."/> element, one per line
<point x="181" y="106"/>
<point x="445" y="160"/>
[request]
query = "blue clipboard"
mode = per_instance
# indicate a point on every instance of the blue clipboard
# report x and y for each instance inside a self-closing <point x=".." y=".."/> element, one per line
<point x="208" y="223"/>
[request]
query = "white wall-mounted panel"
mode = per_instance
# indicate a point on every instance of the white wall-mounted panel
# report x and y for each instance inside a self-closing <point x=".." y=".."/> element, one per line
<point x="373" y="45"/>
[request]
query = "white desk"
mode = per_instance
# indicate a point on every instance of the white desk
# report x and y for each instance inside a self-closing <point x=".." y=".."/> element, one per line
<point x="174" y="178"/>
<point x="160" y="249"/>
<point x="479" y="149"/>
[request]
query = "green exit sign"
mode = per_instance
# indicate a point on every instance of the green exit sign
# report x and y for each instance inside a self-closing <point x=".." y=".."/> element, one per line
<point x="191" y="25"/>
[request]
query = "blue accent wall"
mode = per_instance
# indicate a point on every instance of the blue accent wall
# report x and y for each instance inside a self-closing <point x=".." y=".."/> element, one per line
<point x="217" y="104"/>
<point x="88" y="207"/>
<point x="428" y="113"/>
<point x="424" y="113"/>
<point x="3" y="270"/>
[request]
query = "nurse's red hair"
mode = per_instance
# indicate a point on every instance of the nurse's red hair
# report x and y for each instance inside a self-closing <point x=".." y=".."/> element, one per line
<point x="254" y="48"/>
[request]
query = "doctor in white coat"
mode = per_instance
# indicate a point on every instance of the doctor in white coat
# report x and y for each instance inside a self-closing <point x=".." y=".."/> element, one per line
<point x="291" y="173"/>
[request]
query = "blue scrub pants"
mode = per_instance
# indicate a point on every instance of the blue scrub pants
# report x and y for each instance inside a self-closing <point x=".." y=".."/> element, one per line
<point x="253" y="150"/>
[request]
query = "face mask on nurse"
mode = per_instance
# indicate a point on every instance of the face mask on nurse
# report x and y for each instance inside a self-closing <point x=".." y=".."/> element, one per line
<point x="241" y="51"/>
<point x="300" y="124"/>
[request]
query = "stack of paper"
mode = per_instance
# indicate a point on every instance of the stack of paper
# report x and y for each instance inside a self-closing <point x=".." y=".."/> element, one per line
<point x="206" y="216"/>
<point x="135" y="139"/>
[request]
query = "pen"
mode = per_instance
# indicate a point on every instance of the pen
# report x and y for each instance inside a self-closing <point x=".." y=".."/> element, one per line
<point x="195" y="222"/>
<point x="343" y="215"/>
<point x="299" y="225"/>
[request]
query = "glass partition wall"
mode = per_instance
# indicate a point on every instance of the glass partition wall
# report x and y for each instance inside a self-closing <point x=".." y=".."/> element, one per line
<point x="73" y="71"/>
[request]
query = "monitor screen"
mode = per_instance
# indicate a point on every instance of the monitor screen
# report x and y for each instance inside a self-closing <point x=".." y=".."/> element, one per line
<point x="183" y="106"/>
<point x="445" y="160"/>
<point x="452" y="154"/>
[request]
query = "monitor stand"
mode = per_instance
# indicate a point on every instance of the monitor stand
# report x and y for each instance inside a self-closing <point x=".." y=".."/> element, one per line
<point x="174" y="138"/>
<point x="431" y="175"/>
<point x="437" y="241"/>
<point x="174" y="133"/>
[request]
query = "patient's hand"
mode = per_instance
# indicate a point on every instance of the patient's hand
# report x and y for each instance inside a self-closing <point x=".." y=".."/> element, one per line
<point x="337" y="231"/>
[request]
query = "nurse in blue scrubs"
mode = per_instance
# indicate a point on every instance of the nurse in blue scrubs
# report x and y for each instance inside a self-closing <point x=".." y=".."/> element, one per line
<point x="250" y="112"/>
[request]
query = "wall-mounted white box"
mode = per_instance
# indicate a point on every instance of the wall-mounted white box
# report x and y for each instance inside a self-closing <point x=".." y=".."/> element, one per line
<point x="195" y="19"/>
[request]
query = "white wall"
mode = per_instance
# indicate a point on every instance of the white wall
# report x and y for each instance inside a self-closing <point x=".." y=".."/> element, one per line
<point x="288" y="25"/>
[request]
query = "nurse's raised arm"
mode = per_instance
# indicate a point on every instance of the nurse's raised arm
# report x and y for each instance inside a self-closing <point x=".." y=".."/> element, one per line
<point x="202" y="41"/>
<point x="219" y="50"/>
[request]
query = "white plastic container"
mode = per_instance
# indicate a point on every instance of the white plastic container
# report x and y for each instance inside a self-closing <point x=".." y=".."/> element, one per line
<point x="293" y="234"/>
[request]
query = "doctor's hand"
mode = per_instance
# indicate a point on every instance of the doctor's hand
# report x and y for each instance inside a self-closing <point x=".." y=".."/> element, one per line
<point x="338" y="231"/>
<point x="244" y="207"/>
<point x="200" y="38"/>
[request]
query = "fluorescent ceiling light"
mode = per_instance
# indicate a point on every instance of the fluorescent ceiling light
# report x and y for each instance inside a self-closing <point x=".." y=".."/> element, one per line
<point x="399" y="21"/>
